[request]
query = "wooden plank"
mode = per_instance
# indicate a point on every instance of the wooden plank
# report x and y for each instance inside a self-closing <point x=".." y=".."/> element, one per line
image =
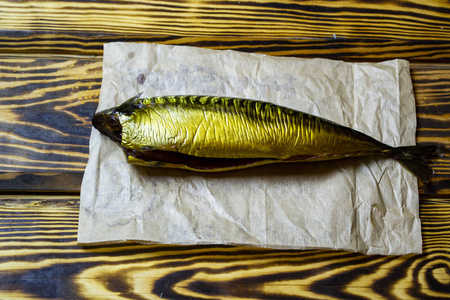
<point x="339" y="47"/>
<point x="432" y="93"/>
<point x="47" y="182"/>
<point x="47" y="101"/>
<point x="39" y="258"/>
<point x="46" y="105"/>
<point x="409" y="19"/>
<point x="349" y="30"/>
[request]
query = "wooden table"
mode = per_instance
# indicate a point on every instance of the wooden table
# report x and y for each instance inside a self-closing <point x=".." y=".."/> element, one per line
<point x="50" y="75"/>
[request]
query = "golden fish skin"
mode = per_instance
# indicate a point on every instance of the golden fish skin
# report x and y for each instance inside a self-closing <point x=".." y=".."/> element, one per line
<point x="206" y="133"/>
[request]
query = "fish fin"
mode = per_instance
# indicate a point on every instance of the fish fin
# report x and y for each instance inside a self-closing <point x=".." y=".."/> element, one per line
<point x="414" y="159"/>
<point x="137" y="96"/>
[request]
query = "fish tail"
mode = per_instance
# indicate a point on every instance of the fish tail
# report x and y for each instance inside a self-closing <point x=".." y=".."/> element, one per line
<point x="414" y="159"/>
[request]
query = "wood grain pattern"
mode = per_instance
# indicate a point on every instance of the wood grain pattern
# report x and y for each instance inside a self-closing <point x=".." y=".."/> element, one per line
<point x="412" y="19"/>
<point x="47" y="101"/>
<point x="354" y="30"/>
<point x="41" y="182"/>
<point x="46" y="104"/>
<point x="432" y="93"/>
<point x="38" y="245"/>
<point x="48" y="94"/>
<point x="339" y="47"/>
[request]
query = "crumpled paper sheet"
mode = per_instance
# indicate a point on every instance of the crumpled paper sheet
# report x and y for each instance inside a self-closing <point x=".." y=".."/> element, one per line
<point x="368" y="205"/>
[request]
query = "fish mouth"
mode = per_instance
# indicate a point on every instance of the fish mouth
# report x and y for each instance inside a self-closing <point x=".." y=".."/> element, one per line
<point x="109" y="125"/>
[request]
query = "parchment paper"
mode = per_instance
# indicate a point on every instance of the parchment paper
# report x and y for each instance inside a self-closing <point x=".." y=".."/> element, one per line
<point x="369" y="205"/>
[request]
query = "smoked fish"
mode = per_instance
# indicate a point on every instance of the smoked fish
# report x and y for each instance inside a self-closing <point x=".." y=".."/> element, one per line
<point x="204" y="133"/>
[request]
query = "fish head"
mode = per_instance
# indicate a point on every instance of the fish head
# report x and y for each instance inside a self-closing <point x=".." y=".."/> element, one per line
<point x="108" y="121"/>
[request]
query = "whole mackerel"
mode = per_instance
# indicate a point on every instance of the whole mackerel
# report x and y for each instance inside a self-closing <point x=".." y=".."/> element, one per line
<point x="204" y="133"/>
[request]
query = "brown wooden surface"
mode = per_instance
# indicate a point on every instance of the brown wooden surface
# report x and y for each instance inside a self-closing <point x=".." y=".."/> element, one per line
<point x="50" y="76"/>
<point x="40" y="258"/>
